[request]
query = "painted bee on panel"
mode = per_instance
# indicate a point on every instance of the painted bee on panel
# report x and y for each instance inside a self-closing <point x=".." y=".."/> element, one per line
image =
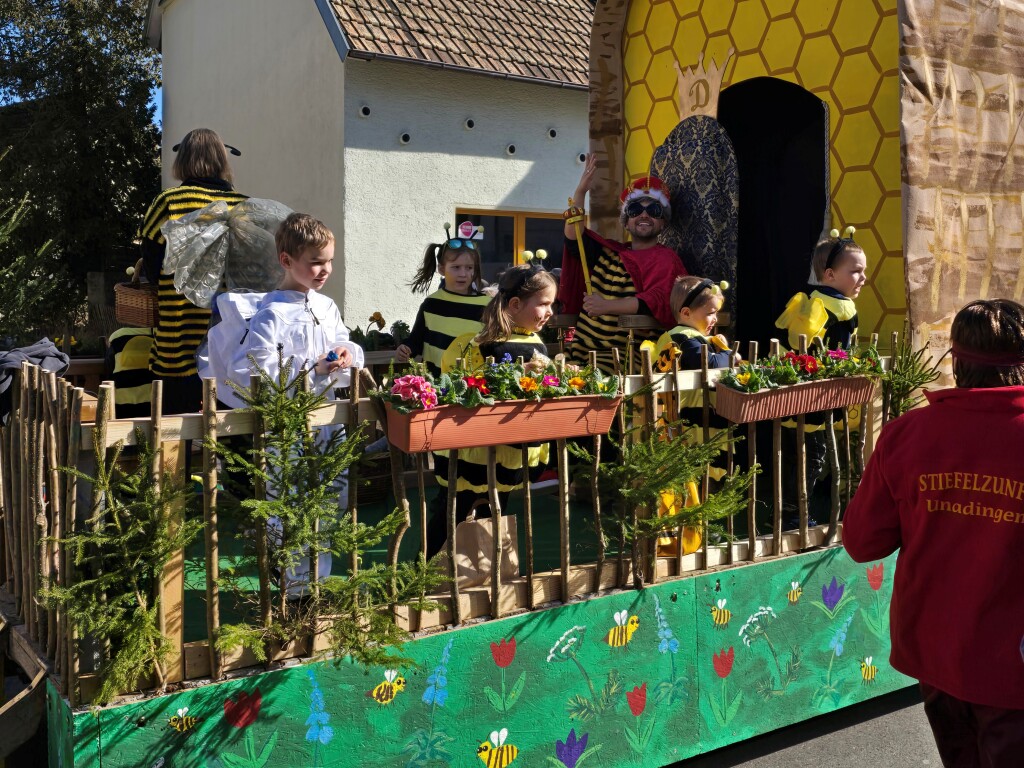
<point x="385" y="692"/>
<point x="495" y="753"/>
<point x="720" y="615"/>
<point x="183" y="722"/>
<point x="622" y="632"/>
<point x="795" y="590"/>
<point x="868" y="670"/>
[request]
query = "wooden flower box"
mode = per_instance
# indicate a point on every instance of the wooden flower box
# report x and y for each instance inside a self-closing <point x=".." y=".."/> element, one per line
<point x="506" y="422"/>
<point x="806" y="397"/>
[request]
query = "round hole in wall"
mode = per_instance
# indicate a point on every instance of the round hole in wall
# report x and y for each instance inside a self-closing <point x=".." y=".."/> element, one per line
<point x="470" y="124"/>
<point x="364" y="110"/>
<point x="405" y="138"/>
<point x="581" y="157"/>
<point x="510" y="149"/>
<point x="552" y="133"/>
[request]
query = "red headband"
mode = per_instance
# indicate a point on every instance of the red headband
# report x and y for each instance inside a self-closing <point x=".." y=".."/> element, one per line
<point x="994" y="359"/>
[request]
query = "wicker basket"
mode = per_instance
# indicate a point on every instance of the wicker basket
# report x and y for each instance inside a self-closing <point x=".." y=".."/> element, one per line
<point x="135" y="302"/>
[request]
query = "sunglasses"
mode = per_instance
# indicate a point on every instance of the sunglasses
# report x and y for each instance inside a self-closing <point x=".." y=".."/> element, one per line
<point x="653" y="209"/>
<point x="233" y="150"/>
<point x="460" y="243"/>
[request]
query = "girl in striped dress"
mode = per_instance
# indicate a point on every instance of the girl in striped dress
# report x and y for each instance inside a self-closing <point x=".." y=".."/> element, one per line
<point x="511" y="322"/>
<point x="452" y="310"/>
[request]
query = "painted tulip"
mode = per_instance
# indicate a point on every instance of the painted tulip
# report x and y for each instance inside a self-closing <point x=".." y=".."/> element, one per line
<point x="242" y="711"/>
<point x="723" y="662"/>
<point x="875" y="574"/>
<point x="504" y="652"/>
<point x="637" y="699"/>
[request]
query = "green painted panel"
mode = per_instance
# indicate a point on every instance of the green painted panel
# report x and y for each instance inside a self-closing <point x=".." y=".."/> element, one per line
<point x="706" y="661"/>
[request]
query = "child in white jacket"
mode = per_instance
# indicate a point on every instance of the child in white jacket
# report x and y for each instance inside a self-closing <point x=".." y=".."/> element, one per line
<point x="305" y="326"/>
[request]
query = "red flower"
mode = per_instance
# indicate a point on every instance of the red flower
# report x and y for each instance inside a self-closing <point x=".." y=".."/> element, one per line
<point x="723" y="662"/>
<point x="810" y="364"/>
<point x="243" y="711"/>
<point x="875" y="574"/>
<point x="477" y="382"/>
<point x="503" y="652"/>
<point x="637" y="699"/>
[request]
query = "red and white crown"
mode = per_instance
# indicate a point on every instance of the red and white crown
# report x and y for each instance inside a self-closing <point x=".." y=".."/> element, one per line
<point x="646" y="186"/>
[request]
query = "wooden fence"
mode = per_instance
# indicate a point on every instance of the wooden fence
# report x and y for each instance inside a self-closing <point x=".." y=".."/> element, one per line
<point x="51" y="427"/>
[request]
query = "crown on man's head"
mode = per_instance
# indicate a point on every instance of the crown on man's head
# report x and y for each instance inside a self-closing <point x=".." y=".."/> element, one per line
<point x="646" y="186"/>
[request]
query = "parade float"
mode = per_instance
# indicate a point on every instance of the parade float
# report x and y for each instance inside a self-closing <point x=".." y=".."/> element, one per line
<point x="601" y="650"/>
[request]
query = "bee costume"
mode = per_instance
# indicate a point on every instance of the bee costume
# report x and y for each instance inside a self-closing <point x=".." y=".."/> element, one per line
<point x="471" y="486"/>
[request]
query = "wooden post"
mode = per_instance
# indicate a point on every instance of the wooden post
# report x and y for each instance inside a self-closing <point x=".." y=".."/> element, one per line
<point x="27" y="502"/>
<point x="528" y="522"/>
<point x="40" y="526"/>
<point x="496" y="529"/>
<point x="563" y="513"/>
<point x="353" y="472"/>
<point x="751" y="461"/>
<point x="705" y="391"/>
<point x="104" y="411"/>
<point x="210" y="520"/>
<point x="674" y="400"/>
<point x="833" y="456"/>
<point x="51" y="560"/>
<point x="801" y="463"/>
<point x="453" y="484"/>
<point x="849" y="467"/>
<point x="595" y="496"/>
<point x="75" y="397"/>
<point x="776" y="472"/>
<point x="647" y="551"/>
<point x="259" y="447"/>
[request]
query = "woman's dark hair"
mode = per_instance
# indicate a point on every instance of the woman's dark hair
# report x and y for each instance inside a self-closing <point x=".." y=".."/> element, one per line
<point x="435" y="256"/>
<point x="987" y="337"/>
<point x="518" y="282"/>
<point x="201" y="155"/>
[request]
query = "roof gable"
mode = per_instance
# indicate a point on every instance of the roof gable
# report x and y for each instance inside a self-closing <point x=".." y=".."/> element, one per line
<point x="540" y="40"/>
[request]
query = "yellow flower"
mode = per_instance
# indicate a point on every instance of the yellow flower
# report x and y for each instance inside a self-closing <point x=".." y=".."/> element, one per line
<point x="577" y="383"/>
<point x="377" y="318"/>
<point x="743" y="378"/>
<point x="856" y="360"/>
<point x="528" y="383"/>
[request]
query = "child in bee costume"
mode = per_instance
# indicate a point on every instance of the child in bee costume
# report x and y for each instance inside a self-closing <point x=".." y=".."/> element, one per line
<point x="827" y="312"/>
<point x="695" y="303"/>
<point x="521" y="307"/>
<point x="940" y="489"/>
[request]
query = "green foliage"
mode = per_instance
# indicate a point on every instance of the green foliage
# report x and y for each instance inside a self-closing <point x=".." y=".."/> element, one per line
<point x="791" y="368"/>
<point x="909" y="372"/>
<point x="302" y="469"/>
<point x="426" y="747"/>
<point x="582" y="708"/>
<point x="252" y="759"/>
<point x="76" y="80"/>
<point x="120" y="553"/>
<point x="372" y="339"/>
<point x="666" y="460"/>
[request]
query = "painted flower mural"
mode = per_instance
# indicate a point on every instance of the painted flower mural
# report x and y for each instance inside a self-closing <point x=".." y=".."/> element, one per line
<point x="572" y="752"/>
<point x="637" y="699"/>
<point x="567" y="648"/>
<point x="639" y="739"/>
<point x="318" y="732"/>
<point x="725" y="709"/>
<point x="242" y="711"/>
<point x="875" y="575"/>
<point x="504" y="653"/>
<point x="428" y="745"/>
<point x="831" y="690"/>
<point x="875" y="620"/>
<point x="834" y="597"/>
<point x="674" y="689"/>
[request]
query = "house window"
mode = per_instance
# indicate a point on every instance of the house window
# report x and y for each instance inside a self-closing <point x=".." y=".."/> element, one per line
<point x="508" y="233"/>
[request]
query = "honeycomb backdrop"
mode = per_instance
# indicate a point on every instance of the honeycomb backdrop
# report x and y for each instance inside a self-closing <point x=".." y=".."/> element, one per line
<point x="843" y="51"/>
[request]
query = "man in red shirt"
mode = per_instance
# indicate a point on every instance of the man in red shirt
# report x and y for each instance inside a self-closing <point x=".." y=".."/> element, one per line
<point x="945" y="486"/>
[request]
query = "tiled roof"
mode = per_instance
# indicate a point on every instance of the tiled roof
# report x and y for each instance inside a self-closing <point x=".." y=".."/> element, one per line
<point x="546" y="40"/>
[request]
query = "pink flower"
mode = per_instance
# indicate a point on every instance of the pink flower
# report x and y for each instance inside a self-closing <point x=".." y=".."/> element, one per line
<point x="838" y="354"/>
<point x="428" y="399"/>
<point x="550" y="381"/>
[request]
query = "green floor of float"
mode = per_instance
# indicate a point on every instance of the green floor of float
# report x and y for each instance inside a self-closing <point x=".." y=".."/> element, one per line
<point x="546" y="547"/>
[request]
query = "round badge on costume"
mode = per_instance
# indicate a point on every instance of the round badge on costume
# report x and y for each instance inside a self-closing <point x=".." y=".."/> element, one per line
<point x="466" y="230"/>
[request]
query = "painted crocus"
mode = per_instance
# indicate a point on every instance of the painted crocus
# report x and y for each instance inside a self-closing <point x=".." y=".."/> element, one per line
<point x="570" y="751"/>
<point x="831" y="594"/>
<point x="875" y="574"/>
<point x="504" y="652"/>
<point x="637" y="699"/>
<point x="241" y="712"/>
<point x="723" y="662"/>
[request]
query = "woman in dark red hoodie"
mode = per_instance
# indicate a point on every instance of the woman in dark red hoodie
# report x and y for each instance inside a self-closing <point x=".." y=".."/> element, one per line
<point x="945" y="486"/>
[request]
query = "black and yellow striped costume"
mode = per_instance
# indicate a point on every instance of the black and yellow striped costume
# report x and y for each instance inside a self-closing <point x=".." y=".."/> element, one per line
<point x="602" y="333"/>
<point x="181" y="325"/>
<point x="128" y="351"/>
<point x="443" y="317"/>
<point x="823" y="312"/>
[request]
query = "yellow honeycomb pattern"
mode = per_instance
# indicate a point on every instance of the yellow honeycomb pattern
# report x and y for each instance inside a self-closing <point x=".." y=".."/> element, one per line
<point x="844" y="51"/>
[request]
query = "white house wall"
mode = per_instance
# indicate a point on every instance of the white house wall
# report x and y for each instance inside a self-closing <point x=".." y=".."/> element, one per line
<point x="265" y="75"/>
<point x="398" y="197"/>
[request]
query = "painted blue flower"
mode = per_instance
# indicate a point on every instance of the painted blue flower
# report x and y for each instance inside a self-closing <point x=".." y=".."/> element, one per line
<point x="318" y="719"/>
<point x="437" y="681"/>
<point x="668" y="643"/>
<point x="832" y="594"/>
<point x="839" y="638"/>
<point x="570" y="751"/>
